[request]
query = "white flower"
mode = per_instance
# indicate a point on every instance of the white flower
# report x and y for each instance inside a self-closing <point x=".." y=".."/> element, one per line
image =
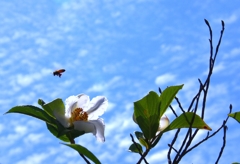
<point x="84" y="114"/>
<point x="164" y="122"/>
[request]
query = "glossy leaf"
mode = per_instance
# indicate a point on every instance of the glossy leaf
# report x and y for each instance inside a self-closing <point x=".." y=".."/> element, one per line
<point x="85" y="152"/>
<point x="32" y="111"/>
<point x="184" y="120"/>
<point x="167" y="97"/>
<point x="146" y="112"/>
<point x="56" y="104"/>
<point x="235" y="115"/>
<point x="134" y="149"/>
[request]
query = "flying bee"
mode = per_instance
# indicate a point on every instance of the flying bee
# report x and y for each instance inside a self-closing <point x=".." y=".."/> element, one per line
<point x="58" y="72"/>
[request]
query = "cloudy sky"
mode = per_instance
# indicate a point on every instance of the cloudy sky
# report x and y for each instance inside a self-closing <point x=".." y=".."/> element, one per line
<point x="122" y="50"/>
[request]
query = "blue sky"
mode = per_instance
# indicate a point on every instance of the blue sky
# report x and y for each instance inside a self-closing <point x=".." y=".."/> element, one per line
<point x="122" y="50"/>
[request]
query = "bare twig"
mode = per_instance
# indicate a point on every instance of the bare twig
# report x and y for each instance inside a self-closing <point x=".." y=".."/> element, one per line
<point x="224" y="143"/>
<point x="171" y="146"/>
<point x="203" y="89"/>
<point x="139" y="151"/>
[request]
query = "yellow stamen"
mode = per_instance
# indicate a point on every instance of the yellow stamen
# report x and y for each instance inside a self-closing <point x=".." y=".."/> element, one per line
<point x="78" y="115"/>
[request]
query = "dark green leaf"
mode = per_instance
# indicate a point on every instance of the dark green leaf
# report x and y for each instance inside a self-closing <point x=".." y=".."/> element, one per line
<point x="55" y="132"/>
<point x="85" y="152"/>
<point x="167" y="97"/>
<point x="72" y="133"/>
<point x="235" y="115"/>
<point x="34" y="112"/>
<point x="141" y="139"/>
<point x="134" y="149"/>
<point x="146" y="112"/>
<point x="149" y="126"/>
<point x="139" y="135"/>
<point x="184" y="120"/>
<point x="63" y="133"/>
<point x="41" y="102"/>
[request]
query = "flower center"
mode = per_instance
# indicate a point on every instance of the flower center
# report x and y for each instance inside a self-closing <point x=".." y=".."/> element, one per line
<point x="78" y="115"/>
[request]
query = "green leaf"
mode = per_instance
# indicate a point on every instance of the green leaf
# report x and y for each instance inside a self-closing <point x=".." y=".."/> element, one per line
<point x="32" y="111"/>
<point x="167" y="97"/>
<point x="41" y="102"/>
<point x="184" y="120"/>
<point x="72" y="133"/>
<point x="134" y="149"/>
<point x="84" y="151"/>
<point x="139" y="134"/>
<point x="63" y="133"/>
<point x="235" y="115"/>
<point x="54" y="130"/>
<point x="56" y="104"/>
<point x="141" y="139"/>
<point x="146" y="112"/>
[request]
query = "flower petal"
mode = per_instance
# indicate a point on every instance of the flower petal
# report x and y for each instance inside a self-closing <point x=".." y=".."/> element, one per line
<point x="85" y="126"/>
<point x="97" y="107"/>
<point x="71" y="103"/>
<point x="61" y="118"/>
<point x="100" y="127"/>
<point x="83" y="101"/>
<point x="164" y="122"/>
<point x="96" y="127"/>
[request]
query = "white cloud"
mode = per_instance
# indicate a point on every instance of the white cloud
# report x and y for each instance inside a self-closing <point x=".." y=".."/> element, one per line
<point x="97" y="88"/>
<point x="165" y="79"/>
<point x="169" y="48"/>
<point x="35" y="158"/>
<point x="105" y="86"/>
<point x="4" y="40"/>
<point x="1" y="128"/>
<point x="34" y="138"/>
<point x="158" y="157"/>
<point x="15" y="150"/>
<point x="110" y="106"/>
<point x="232" y="54"/>
<point x="43" y="42"/>
<point x="83" y="52"/>
<point x="21" y="130"/>
<point x="125" y="143"/>
<point x="219" y="67"/>
<point x="228" y="20"/>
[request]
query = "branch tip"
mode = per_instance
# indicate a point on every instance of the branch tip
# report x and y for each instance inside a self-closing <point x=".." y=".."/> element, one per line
<point x="206" y="22"/>
<point x="223" y="24"/>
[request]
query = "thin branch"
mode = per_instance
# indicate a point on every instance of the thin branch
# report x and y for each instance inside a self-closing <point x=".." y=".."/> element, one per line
<point x="180" y="105"/>
<point x="170" y="149"/>
<point x="203" y="88"/>
<point x="224" y="143"/>
<point x="173" y="148"/>
<point x="139" y="151"/>
<point x="213" y="134"/>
